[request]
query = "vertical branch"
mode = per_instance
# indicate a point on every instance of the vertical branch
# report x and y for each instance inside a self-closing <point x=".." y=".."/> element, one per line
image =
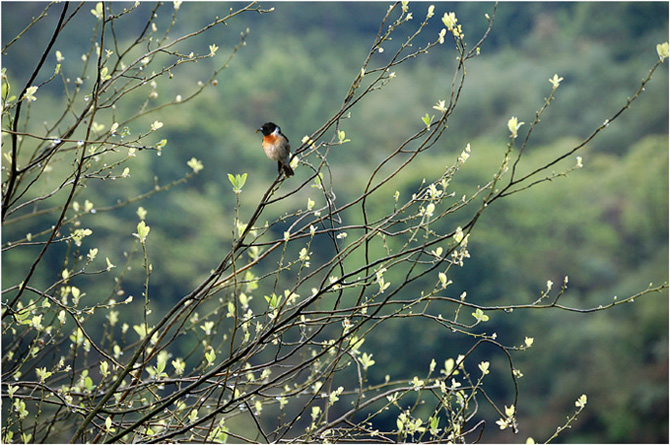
<point x="9" y="190"/>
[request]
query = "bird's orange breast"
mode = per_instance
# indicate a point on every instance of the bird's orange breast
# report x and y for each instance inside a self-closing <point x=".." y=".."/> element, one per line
<point x="270" y="139"/>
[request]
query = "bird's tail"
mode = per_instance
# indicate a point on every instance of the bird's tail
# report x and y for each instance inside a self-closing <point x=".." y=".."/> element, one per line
<point x="287" y="169"/>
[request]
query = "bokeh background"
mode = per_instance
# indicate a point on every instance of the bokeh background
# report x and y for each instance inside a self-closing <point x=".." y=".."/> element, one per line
<point x="606" y="226"/>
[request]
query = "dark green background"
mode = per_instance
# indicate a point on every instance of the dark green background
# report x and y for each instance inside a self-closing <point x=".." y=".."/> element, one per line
<point x="606" y="226"/>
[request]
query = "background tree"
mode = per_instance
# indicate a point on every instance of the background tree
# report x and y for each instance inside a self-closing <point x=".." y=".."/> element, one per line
<point x="340" y="305"/>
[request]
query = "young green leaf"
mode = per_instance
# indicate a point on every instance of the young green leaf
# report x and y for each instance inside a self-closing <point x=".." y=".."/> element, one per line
<point x="663" y="50"/>
<point x="142" y="231"/>
<point x="195" y="164"/>
<point x="341" y="135"/>
<point x="97" y="12"/>
<point x="427" y="119"/>
<point x="480" y="315"/>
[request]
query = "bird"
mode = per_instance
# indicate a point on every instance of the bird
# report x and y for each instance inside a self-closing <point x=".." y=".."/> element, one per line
<point x="276" y="147"/>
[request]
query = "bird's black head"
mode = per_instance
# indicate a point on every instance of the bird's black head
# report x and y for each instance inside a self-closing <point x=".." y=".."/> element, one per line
<point x="268" y="128"/>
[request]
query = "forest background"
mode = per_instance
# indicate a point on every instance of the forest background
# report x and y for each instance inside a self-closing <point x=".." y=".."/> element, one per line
<point x="605" y="226"/>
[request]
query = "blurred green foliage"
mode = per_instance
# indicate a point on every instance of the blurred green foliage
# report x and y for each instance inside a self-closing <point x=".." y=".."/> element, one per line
<point x="605" y="226"/>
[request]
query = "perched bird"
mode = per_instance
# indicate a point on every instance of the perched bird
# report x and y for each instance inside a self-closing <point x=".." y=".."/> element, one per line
<point x="276" y="147"/>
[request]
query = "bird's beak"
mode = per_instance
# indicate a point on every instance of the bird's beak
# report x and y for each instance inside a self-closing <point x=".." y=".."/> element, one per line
<point x="258" y="130"/>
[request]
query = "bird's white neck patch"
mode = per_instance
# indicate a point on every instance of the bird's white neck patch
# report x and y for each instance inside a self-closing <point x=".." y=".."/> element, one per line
<point x="276" y="132"/>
